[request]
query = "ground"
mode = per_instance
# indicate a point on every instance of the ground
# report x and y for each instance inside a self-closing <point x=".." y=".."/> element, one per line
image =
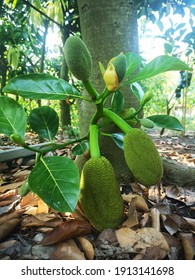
<point x="159" y="222"/>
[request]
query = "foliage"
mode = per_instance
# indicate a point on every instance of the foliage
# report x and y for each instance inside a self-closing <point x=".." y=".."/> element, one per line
<point x="56" y="179"/>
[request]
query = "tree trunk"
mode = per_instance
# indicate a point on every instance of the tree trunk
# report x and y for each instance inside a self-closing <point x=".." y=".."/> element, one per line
<point x="108" y="28"/>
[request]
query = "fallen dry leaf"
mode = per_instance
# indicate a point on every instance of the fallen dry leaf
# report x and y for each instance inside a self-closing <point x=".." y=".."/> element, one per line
<point x="184" y="195"/>
<point x="11" y="216"/>
<point x="141" y="239"/>
<point x="188" y="242"/>
<point x="39" y="220"/>
<point x="66" y="230"/>
<point x="67" y="251"/>
<point x="155" y="215"/>
<point x="7" y="227"/>
<point x="174" y="245"/>
<point x="10" y="186"/>
<point x="139" y="201"/>
<point x="151" y="253"/>
<point x="132" y="219"/>
<point x="87" y="247"/>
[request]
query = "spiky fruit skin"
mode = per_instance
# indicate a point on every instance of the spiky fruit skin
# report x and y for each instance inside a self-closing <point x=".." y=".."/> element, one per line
<point x="100" y="196"/>
<point x="142" y="157"/>
<point x="120" y="64"/>
<point x="78" y="58"/>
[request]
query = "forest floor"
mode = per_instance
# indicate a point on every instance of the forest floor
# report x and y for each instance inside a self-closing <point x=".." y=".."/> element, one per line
<point x="159" y="221"/>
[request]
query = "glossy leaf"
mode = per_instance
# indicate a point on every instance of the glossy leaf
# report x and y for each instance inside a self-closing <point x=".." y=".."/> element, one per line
<point x="80" y="148"/>
<point x="118" y="139"/>
<point x="166" y="121"/>
<point x="117" y="102"/>
<point x="159" y="65"/>
<point x="40" y="86"/>
<point x="44" y="121"/>
<point x="56" y="181"/>
<point x="133" y="62"/>
<point x="12" y="117"/>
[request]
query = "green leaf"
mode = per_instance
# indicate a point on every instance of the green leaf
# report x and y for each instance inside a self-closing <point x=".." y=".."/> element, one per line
<point x="40" y="86"/>
<point x="56" y="181"/>
<point x="44" y="121"/>
<point x="80" y="148"/>
<point x="133" y="62"/>
<point x="166" y="121"/>
<point x="137" y="90"/>
<point x="159" y="65"/>
<point x="12" y="117"/>
<point x="118" y="139"/>
<point x="117" y="102"/>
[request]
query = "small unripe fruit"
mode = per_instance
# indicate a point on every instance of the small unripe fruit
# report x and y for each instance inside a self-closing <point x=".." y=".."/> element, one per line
<point x="78" y="58"/>
<point x="142" y="157"/>
<point x="147" y="123"/>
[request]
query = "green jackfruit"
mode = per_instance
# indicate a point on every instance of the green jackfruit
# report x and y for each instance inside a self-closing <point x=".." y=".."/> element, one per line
<point x="100" y="195"/>
<point x="147" y="123"/>
<point x="78" y="58"/>
<point x="142" y="157"/>
<point x="120" y="64"/>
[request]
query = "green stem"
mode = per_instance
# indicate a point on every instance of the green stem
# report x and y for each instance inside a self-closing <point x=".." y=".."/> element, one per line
<point x="93" y="141"/>
<point x="53" y="146"/>
<point x="123" y="125"/>
<point x="90" y="89"/>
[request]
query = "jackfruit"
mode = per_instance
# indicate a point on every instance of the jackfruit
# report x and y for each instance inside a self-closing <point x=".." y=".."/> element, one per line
<point x="78" y="58"/>
<point x="147" y="123"/>
<point x="120" y="64"/>
<point x="100" y="195"/>
<point x="142" y="157"/>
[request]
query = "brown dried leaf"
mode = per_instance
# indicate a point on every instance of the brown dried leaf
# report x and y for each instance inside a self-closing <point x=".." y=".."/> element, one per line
<point x="174" y="245"/>
<point x="7" y="227"/>
<point x="141" y="239"/>
<point x="42" y="207"/>
<point x="139" y="201"/>
<point x="188" y="242"/>
<point x="11" y="216"/>
<point x="29" y="199"/>
<point x="66" y="231"/>
<point x="10" y="186"/>
<point x="9" y="207"/>
<point x="132" y="219"/>
<point x="184" y="195"/>
<point x="39" y="220"/>
<point x="151" y="253"/>
<point x="171" y="226"/>
<point x="155" y="215"/>
<point x="87" y="247"/>
<point x="67" y="251"/>
<point x="156" y="193"/>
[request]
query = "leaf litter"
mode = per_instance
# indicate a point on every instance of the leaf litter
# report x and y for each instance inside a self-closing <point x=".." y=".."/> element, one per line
<point x="159" y="221"/>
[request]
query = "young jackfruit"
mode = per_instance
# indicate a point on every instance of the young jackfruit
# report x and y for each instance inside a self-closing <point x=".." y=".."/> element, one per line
<point x="78" y="58"/>
<point x="100" y="195"/>
<point x="142" y="157"/>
